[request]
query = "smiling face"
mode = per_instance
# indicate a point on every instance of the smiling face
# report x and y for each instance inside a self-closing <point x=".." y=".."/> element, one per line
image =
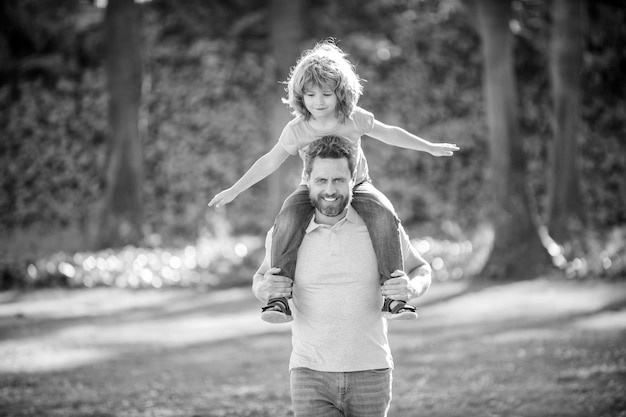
<point x="330" y="189"/>
<point x="321" y="102"/>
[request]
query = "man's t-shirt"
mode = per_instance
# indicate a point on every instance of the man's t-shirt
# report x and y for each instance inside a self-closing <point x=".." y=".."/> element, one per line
<point x="336" y="301"/>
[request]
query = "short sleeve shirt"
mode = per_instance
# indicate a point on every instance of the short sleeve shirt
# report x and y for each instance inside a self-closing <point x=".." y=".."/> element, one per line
<point x="336" y="300"/>
<point x="298" y="135"/>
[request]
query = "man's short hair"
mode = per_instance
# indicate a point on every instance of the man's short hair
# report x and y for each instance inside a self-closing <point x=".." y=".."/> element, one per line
<point x="332" y="147"/>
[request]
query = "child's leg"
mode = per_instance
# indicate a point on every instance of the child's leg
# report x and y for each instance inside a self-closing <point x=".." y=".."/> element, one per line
<point x="289" y="230"/>
<point x="383" y="225"/>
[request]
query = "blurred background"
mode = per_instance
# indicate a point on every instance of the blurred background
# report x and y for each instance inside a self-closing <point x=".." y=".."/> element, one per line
<point x="121" y="120"/>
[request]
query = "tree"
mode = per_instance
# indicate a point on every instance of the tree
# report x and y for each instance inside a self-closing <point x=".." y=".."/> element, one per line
<point x="517" y="250"/>
<point x="121" y="217"/>
<point x="285" y="35"/>
<point x="564" y="208"/>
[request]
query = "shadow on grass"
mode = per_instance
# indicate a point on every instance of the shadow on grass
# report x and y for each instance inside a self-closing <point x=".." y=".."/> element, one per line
<point x="521" y="349"/>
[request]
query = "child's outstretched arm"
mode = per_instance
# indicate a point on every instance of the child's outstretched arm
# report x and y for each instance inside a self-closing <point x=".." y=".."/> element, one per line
<point x="396" y="136"/>
<point x="263" y="167"/>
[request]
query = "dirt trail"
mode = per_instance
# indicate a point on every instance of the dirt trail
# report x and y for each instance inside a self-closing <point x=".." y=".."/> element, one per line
<point x="534" y="348"/>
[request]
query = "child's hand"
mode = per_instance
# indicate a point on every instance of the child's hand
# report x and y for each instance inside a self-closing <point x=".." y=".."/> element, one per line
<point x="222" y="198"/>
<point x="443" y="149"/>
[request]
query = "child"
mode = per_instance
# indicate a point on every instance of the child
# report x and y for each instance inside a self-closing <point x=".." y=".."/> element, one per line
<point x="323" y="90"/>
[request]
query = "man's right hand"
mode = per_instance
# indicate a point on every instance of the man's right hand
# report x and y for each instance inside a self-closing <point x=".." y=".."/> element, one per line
<point x="273" y="285"/>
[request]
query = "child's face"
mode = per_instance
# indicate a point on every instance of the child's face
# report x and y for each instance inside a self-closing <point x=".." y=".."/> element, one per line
<point x="321" y="102"/>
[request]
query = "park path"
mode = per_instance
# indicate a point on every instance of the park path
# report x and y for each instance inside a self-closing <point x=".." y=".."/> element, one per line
<point x="546" y="347"/>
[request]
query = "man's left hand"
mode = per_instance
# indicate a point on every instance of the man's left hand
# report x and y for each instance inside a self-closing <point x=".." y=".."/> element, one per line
<point x="398" y="287"/>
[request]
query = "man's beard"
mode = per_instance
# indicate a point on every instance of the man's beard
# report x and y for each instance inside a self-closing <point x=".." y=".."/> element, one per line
<point x="330" y="208"/>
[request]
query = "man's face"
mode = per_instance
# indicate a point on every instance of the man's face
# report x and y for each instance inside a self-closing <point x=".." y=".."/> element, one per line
<point x="330" y="186"/>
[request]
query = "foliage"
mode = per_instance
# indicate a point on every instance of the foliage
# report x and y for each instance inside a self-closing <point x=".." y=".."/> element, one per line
<point x="204" y="129"/>
<point x="207" y="78"/>
<point x="602" y="146"/>
<point x="206" y="264"/>
<point x="52" y="149"/>
<point x="221" y="261"/>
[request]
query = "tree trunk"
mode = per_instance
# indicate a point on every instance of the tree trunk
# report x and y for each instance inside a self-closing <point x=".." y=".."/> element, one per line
<point x="517" y="250"/>
<point x="286" y="33"/>
<point x="121" y="217"/>
<point x="564" y="208"/>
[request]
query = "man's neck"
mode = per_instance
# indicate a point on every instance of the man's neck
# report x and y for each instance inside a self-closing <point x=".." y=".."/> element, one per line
<point x="321" y="218"/>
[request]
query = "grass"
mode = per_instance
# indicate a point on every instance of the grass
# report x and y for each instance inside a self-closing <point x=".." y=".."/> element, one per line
<point x="546" y="347"/>
<point x="176" y="332"/>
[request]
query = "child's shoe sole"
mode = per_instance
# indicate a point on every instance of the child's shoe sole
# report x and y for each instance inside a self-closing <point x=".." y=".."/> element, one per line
<point x="404" y="315"/>
<point x="276" y="317"/>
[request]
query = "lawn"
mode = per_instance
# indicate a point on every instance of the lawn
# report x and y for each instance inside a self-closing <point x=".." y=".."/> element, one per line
<point x="546" y="347"/>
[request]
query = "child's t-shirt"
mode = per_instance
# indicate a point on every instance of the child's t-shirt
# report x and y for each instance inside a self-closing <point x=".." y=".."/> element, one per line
<point x="298" y="135"/>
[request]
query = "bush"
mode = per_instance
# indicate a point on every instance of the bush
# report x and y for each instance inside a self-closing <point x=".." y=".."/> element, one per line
<point x="204" y="122"/>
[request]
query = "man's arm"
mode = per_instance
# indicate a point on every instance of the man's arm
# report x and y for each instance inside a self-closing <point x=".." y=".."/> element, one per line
<point x="420" y="279"/>
<point x="257" y="280"/>
<point x="267" y="282"/>
<point x="415" y="281"/>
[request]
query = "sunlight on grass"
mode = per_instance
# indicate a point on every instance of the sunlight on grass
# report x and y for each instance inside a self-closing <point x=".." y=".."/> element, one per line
<point x="37" y="356"/>
<point x="458" y="256"/>
<point x="222" y="261"/>
<point x="205" y="264"/>
<point x="534" y="302"/>
<point x="225" y="261"/>
<point x="176" y="320"/>
<point x="588" y="254"/>
<point x="610" y="321"/>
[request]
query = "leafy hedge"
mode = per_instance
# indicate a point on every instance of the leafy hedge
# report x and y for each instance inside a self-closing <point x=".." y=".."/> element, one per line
<point x="52" y="151"/>
<point x="203" y="119"/>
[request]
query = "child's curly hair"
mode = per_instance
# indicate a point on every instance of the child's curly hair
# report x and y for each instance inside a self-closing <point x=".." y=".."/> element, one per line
<point x="324" y="66"/>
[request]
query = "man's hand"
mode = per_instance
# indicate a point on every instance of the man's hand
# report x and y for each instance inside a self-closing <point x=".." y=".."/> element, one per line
<point x="398" y="287"/>
<point x="442" y="149"/>
<point x="223" y="198"/>
<point x="272" y="285"/>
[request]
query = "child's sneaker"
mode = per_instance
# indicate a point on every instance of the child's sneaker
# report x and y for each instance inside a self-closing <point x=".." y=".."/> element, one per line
<point x="276" y="311"/>
<point x="398" y="310"/>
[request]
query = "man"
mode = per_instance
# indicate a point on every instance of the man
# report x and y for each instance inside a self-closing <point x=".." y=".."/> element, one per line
<point x="341" y="361"/>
